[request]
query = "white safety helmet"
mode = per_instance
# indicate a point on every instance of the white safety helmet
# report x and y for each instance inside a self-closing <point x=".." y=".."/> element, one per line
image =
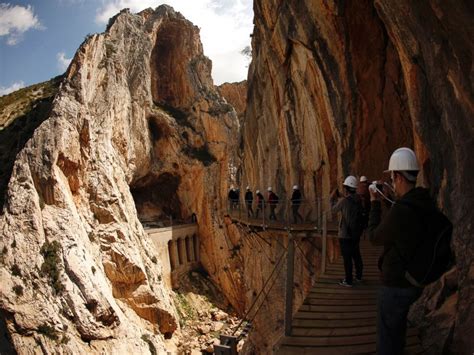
<point x="363" y="178"/>
<point x="403" y="159"/>
<point x="350" y="182"/>
<point x="295" y="187"/>
<point x="258" y="191"/>
<point x="269" y="188"/>
<point x="248" y="187"/>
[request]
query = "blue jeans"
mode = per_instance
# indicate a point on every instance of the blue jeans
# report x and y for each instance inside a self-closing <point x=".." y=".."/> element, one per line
<point x="393" y="304"/>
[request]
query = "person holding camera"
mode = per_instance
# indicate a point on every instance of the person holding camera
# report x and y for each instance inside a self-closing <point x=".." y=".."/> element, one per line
<point x="350" y="228"/>
<point x="399" y="232"/>
<point x="363" y="192"/>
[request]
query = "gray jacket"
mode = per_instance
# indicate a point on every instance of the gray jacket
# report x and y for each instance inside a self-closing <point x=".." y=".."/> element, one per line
<point x="343" y="205"/>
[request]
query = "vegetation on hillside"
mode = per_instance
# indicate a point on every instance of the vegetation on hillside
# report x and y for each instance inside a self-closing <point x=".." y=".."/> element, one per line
<point x="21" y="112"/>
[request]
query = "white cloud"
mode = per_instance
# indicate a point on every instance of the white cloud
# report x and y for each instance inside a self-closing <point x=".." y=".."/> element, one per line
<point x="14" y="87"/>
<point x="225" y="29"/>
<point x="16" y="20"/>
<point x="63" y="62"/>
<point x="71" y="2"/>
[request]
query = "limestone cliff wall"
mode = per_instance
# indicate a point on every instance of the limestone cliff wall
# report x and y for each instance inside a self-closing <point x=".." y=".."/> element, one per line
<point x="236" y="95"/>
<point x="335" y="86"/>
<point x="137" y="132"/>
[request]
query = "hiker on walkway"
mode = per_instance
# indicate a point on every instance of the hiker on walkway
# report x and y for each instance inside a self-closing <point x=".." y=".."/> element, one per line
<point x="401" y="232"/>
<point x="260" y="203"/>
<point x="272" y="202"/>
<point x="232" y="197"/>
<point x="296" y="199"/>
<point x="249" y="201"/>
<point x="364" y="195"/>
<point x="350" y="228"/>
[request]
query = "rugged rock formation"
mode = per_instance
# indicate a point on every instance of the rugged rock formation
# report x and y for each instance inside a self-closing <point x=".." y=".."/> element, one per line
<point x="335" y="86"/>
<point x="236" y="95"/>
<point x="136" y="132"/>
<point x="21" y="112"/>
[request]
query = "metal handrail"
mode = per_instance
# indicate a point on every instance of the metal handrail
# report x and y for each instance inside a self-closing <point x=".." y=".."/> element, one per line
<point x="284" y="214"/>
<point x="286" y="218"/>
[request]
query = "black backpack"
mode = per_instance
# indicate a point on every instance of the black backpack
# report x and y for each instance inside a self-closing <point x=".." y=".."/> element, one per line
<point x="434" y="247"/>
<point x="354" y="217"/>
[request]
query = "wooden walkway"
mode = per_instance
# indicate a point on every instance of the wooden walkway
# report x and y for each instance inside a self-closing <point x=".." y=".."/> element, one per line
<point x="282" y="226"/>
<point x="339" y="320"/>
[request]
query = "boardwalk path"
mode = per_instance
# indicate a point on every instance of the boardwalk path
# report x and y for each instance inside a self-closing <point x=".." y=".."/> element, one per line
<point x="338" y="320"/>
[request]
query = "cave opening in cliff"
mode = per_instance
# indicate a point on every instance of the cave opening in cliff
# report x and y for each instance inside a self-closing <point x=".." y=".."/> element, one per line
<point x="156" y="199"/>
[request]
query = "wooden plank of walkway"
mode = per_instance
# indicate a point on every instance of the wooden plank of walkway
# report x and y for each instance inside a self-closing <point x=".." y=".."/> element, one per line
<point x="337" y="320"/>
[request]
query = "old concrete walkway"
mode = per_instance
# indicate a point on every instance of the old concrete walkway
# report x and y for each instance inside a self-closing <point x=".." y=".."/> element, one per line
<point x="338" y="320"/>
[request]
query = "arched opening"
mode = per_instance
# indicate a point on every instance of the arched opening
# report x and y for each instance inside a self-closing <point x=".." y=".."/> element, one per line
<point x="196" y="247"/>
<point x="181" y="251"/>
<point x="189" y="249"/>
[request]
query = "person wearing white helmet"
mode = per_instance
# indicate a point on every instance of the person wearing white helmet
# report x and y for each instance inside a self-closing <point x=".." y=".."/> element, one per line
<point x="249" y="201"/>
<point x="272" y="202"/>
<point x="350" y="229"/>
<point x="260" y="203"/>
<point x="401" y="232"/>
<point x="363" y="192"/>
<point x="296" y="199"/>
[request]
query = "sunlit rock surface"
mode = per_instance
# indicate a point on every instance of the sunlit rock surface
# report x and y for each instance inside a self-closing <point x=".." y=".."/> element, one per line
<point x="137" y="133"/>
<point x="335" y="87"/>
<point x="236" y="95"/>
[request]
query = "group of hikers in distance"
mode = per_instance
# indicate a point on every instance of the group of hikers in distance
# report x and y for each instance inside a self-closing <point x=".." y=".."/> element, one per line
<point x="271" y="202"/>
<point x="414" y="233"/>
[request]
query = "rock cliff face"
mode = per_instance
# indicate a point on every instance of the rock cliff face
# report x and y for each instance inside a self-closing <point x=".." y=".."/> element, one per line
<point x="336" y="86"/>
<point x="137" y="131"/>
<point x="236" y="95"/>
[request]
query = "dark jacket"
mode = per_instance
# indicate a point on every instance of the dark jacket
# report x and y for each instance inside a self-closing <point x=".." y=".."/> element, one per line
<point x="233" y="195"/>
<point x="296" y="197"/>
<point x="260" y="200"/>
<point x="272" y="199"/>
<point x="249" y="196"/>
<point x="345" y="205"/>
<point x="399" y="232"/>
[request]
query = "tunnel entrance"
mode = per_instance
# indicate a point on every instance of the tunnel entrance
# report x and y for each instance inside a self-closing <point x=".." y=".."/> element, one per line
<point x="156" y="199"/>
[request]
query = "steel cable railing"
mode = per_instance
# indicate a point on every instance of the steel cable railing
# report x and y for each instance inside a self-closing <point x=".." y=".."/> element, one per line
<point x="281" y="215"/>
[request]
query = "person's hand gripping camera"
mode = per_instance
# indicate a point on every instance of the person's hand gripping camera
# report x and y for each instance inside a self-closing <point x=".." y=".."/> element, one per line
<point x="374" y="189"/>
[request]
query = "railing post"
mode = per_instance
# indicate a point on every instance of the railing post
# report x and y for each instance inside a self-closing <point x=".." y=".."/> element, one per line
<point x="324" y="246"/>
<point x="289" y="284"/>
<point x="319" y="213"/>
<point x="230" y="341"/>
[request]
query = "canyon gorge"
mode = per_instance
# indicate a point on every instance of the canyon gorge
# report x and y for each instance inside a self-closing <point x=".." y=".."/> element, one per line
<point x="136" y="131"/>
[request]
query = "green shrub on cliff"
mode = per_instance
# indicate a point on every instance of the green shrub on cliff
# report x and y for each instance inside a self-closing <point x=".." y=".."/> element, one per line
<point x="50" y="252"/>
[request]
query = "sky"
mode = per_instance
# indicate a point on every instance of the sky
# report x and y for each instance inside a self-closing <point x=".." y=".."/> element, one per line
<point x="38" y="38"/>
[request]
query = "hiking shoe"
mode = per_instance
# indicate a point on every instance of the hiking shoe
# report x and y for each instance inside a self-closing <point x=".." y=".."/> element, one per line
<point x="344" y="283"/>
<point x="357" y="281"/>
